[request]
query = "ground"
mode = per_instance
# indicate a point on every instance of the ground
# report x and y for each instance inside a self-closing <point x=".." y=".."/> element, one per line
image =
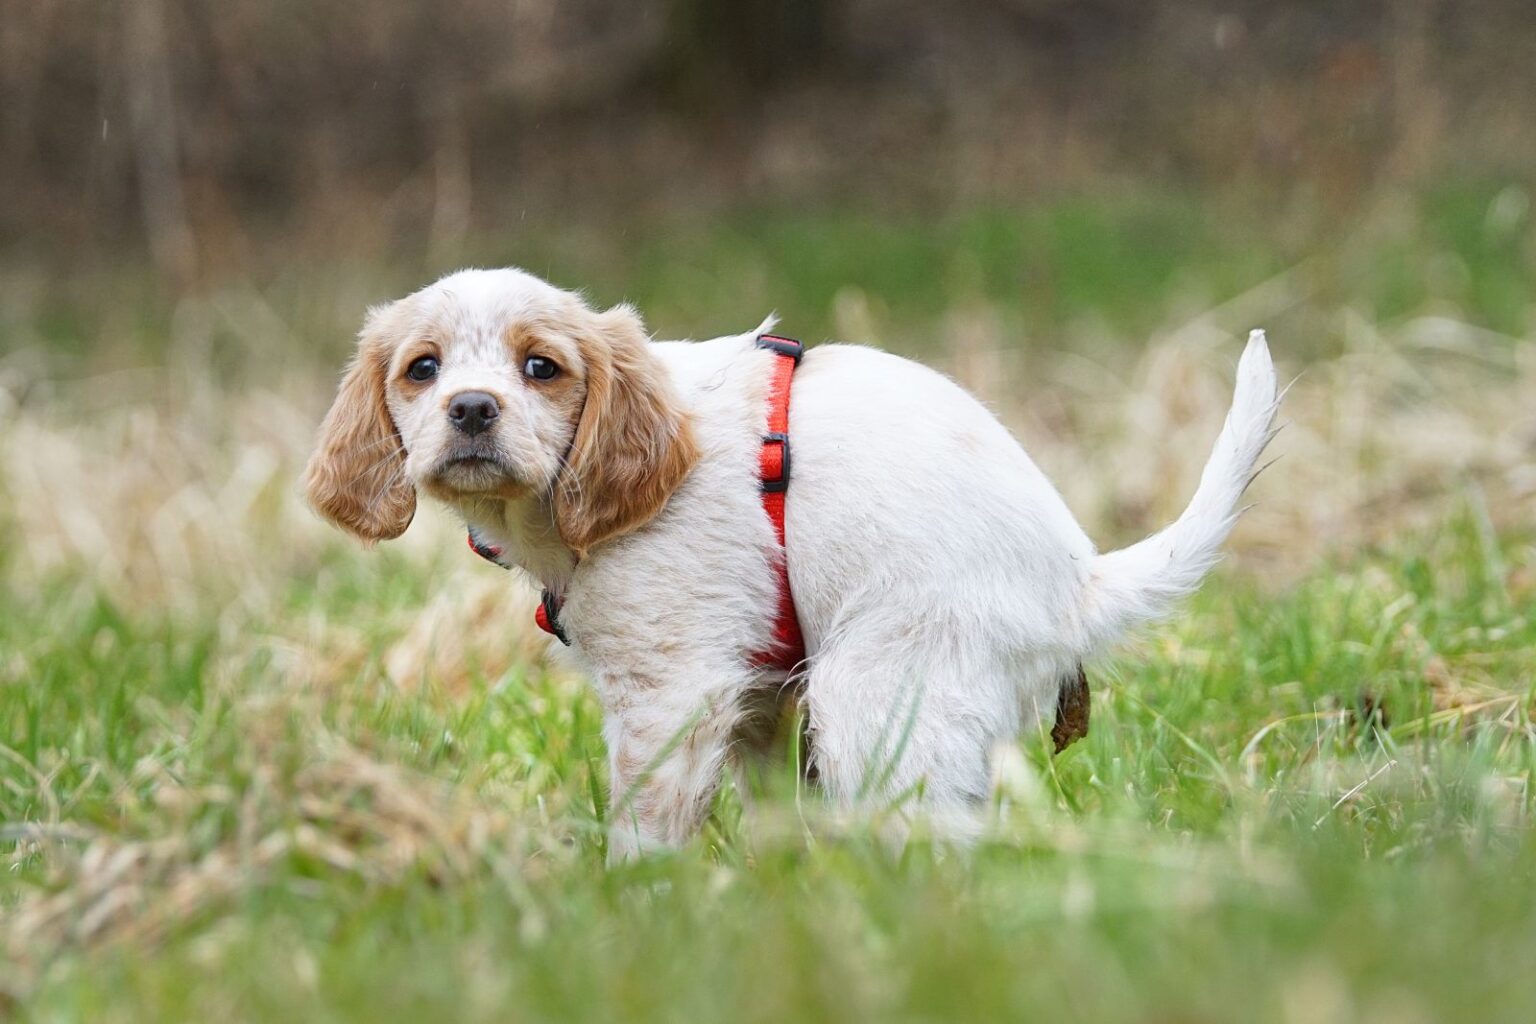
<point x="251" y="772"/>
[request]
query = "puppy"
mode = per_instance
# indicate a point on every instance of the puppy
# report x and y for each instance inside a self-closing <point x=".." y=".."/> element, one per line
<point x="945" y="594"/>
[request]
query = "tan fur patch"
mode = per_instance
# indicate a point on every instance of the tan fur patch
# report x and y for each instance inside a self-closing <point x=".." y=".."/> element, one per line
<point x="356" y="477"/>
<point x="634" y="444"/>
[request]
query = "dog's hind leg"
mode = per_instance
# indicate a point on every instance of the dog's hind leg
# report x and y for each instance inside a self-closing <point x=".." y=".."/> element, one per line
<point x="908" y="715"/>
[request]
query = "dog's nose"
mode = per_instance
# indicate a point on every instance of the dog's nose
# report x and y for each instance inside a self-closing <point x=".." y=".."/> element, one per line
<point x="473" y="411"/>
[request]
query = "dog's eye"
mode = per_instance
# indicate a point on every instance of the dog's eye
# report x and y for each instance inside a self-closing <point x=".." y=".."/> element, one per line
<point x="423" y="369"/>
<point x="540" y="368"/>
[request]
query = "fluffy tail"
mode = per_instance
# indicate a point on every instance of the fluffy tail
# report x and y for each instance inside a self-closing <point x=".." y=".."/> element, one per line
<point x="1140" y="583"/>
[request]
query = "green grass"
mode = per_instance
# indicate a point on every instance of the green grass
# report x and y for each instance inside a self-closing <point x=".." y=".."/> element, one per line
<point x="1101" y="270"/>
<point x="1124" y="261"/>
<point x="338" y="850"/>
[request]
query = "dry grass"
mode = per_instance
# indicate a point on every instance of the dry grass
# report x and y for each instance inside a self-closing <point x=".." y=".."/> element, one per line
<point x="174" y="492"/>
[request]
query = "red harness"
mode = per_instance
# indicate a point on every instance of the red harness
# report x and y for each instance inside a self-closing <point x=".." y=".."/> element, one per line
<point x="773" y="470"/>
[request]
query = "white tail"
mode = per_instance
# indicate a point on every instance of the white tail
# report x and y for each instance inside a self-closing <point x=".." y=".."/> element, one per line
<point x="1140" y="583"/>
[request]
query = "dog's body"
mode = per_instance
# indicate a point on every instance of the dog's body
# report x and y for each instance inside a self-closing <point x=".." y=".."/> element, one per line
<point x="945" y="592"/>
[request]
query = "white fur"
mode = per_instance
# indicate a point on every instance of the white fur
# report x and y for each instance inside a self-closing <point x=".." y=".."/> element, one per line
<point x="944" y="589"/>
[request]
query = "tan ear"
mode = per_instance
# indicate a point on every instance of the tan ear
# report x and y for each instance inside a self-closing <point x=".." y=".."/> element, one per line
<point x="356" y="477"/>
<point x="634" y="444"/>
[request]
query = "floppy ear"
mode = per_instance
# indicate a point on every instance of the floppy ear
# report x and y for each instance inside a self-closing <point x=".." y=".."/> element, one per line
<point x="634" y="443"/>
<point x="356" y="477"/>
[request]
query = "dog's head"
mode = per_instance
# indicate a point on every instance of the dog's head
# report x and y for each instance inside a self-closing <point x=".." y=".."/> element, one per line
<point x="494" y="385"/>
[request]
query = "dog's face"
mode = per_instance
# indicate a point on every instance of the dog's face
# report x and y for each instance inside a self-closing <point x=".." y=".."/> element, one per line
<point x="495" y="386"/>
<point x="485" y="381"/>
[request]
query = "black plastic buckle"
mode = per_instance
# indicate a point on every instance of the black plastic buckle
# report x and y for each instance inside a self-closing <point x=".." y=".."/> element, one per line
<point x="780" y="483"/>
<point x="783" y="346"/>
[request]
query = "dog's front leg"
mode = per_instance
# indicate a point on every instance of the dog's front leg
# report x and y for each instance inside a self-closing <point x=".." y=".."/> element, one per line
<point x="667" y="744"/>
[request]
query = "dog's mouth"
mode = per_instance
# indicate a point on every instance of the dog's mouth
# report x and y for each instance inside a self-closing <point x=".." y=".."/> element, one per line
<point x="476" y="470"/>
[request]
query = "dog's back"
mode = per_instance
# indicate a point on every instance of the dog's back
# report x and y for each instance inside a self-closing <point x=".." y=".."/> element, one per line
<point x="946" y="592"/>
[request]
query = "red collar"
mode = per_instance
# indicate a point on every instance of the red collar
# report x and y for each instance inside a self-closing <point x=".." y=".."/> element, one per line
<point x="773" y="469"/>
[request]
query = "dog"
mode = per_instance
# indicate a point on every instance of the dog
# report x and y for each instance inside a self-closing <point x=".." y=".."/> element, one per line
<point x="944" y="595"/>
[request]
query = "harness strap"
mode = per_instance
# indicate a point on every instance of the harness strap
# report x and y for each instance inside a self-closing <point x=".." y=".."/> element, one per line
<point x="547" y="615"/>
<point x="773" y="470"/>
<point x="774" y="467"/>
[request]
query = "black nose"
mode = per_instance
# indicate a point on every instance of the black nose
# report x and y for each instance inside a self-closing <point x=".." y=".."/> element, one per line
<point x="473" y="411"/>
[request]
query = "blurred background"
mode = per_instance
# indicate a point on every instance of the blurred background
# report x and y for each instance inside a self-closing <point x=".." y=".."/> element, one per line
<point x="1077" y="207"/>
<point x="240" y="754"/>
<point x="210" y="142"/>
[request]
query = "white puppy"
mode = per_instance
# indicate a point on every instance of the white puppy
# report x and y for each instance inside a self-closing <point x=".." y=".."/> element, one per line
<point x="945" y="592"/>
